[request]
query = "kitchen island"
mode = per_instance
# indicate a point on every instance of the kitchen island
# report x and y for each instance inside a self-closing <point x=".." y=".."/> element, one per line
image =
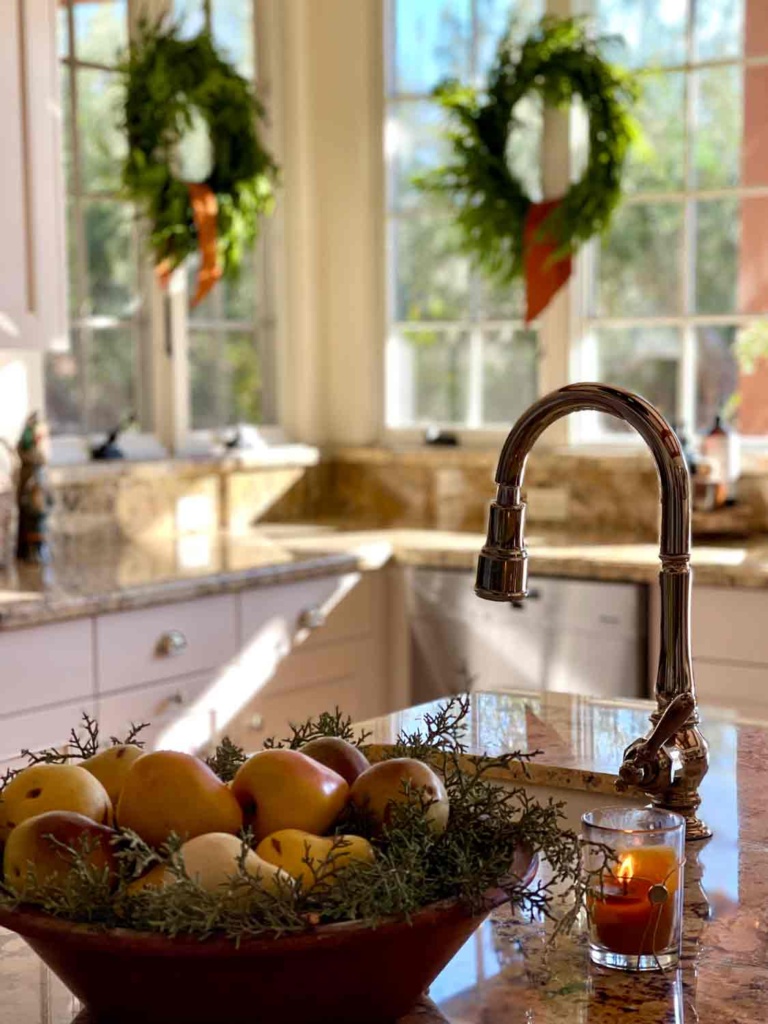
<point x="505" y="974"/>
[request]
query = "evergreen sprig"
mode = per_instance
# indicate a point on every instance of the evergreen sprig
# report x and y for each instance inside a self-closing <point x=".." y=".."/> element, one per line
<point x="559" y="61"/>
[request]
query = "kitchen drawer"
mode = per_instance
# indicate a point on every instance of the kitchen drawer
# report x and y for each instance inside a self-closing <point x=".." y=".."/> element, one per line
<point x="730" y="624"/>
<point x="46" y="665"/>
<point x="287" y="613"/>
<point x="336" y="679"/>
<point x="37" y="729"/>
<point x="176" y="712"/>
<point x="130" y="645"/>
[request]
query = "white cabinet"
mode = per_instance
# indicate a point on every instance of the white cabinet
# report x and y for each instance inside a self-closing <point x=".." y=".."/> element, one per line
<point x="32" y="254"/>
<point x="729" y="642"/>
<point x="244" y="664"/>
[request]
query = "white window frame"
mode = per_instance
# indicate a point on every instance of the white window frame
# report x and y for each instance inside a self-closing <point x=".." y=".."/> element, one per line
<point x="164" y="391"/>
<point x="565" y="326"/>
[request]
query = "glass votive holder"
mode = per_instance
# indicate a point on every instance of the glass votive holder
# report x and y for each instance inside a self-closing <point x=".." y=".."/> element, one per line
<point x="634" y="860"/>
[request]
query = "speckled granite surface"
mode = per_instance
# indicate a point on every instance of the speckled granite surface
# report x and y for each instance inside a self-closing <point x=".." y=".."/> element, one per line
<point x="89" y="575"/>
<point x="504" y="975"/>
<point x="98" y="572"/>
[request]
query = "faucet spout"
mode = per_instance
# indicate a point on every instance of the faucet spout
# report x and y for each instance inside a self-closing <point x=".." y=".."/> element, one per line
<point x="503" y="569"/>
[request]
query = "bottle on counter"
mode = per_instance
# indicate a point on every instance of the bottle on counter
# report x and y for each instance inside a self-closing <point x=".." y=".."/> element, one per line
<point x="721" y="448"/>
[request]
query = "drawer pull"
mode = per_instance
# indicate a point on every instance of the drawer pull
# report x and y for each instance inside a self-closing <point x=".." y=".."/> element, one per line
<point x="256" y="723"/>
<point x="177" y="699"/>
<point x="312" y="618"/>
<point x="171" y="643"/>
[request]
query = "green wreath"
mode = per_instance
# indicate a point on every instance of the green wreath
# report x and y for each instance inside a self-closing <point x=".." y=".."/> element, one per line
<point x="557" y="61"/>
<point x="167" y="78"/>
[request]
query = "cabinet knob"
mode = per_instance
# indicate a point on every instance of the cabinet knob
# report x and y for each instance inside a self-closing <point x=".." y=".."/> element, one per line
<point x="312" y="618"/>
<point x="171" y="643"/>
<point x="256" y="723"/>
<point x="177" y="699"/>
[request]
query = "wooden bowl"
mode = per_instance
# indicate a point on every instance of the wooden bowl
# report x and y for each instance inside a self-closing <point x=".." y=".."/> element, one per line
<point x="345" y="973"/>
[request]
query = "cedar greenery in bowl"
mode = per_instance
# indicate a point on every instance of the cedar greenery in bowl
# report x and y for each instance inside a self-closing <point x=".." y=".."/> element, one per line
<point x="269" y="874"/>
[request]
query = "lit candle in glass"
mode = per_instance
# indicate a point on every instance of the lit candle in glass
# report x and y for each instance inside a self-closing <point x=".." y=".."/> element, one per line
<point x="634" y="901"/>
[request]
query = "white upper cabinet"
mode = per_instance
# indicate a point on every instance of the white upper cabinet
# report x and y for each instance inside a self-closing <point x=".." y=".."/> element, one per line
<point x="32" y="250"/>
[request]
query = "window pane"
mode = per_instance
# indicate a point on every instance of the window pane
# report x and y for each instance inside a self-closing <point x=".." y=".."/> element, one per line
<point x="719" y="128"/>
<point x="432" y="382"/>
<point x="657" y="158"/>
<point x="225" y="374"/>
<point x="62" y="30"/>
<point x="63" y="399"/>
<point x="101" y="30"/>
<point x="111" y="256"/>
<point x="242" y="370"/>
<point x="501" y="304"/>
<point x="653" y="30"/>
<point x="510" y="374"/>
<point x="204" y="376"/>
<point x="718" y="29"/>
<point x="717" y="254"/>
<point x="640" y="261"/>
<point x="431" y="281"/>
<point x="102" y="143"/>
<point x="232" y="26"/>
<point x="717" y="376"/>
<point x="493" y="21"/>
<point x="190" y="14"/>
<point x="111" y="376"/>
<point x="413" y="144"/>
<point x="432" y="41"/>
<point x="645" y="360"/>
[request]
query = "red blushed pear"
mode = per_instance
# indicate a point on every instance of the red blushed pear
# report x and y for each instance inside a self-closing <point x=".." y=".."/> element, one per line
<point x="38" y="847"/>
<point x="396" y="781"/>
<point x="336" y="753"/>
<point x="280" y="789"/>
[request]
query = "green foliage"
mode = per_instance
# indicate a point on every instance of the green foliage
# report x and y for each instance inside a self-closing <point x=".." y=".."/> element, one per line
<point x="413" y="867"/>
<point x="82" y="744"/>
<point x="328" y="723"/>
<point x="168" y="78"/>
<point x="559" y="62"/>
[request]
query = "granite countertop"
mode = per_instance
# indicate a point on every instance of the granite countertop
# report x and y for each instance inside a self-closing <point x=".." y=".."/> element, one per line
<point x="91" y="574"/>
<point x="505" y="973"/>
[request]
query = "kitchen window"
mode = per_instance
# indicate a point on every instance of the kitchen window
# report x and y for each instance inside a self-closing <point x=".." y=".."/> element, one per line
<point x="656" y="304"/>
<point x="112" y="364"/>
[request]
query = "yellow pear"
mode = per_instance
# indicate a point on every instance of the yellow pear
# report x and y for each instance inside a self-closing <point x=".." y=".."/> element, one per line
<point x="52" y="787"/>
<point x="313" y="859"/>
<point x="286" y="789"/>
<point x="211" y="860"/>
<point x="111" y="766"/>
<point x="396" y="781"/>
<point x="167" y="791"/>
<point x="31" y="850"/>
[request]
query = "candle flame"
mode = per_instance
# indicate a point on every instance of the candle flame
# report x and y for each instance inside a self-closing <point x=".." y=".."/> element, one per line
<point x="626" y="868"/>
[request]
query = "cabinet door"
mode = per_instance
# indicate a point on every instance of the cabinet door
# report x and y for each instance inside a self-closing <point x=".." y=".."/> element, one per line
<point x="32" y="254"/>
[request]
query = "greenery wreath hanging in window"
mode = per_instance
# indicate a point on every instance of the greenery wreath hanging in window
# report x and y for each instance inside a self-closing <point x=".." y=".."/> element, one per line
<point x="501" y="228"/>
<point x="168" y="79"/>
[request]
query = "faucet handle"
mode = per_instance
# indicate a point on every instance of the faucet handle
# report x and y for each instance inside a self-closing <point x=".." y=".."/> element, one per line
<point x="641" y="759"/>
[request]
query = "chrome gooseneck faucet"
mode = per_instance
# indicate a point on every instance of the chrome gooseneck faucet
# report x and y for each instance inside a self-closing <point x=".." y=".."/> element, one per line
<point x="670" y="762"/>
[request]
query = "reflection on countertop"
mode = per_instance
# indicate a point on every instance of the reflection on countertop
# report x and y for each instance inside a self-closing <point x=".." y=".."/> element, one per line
<point x="505" y="973"/>
<point x="102" y="572"/>
<point x="90" y="574"/>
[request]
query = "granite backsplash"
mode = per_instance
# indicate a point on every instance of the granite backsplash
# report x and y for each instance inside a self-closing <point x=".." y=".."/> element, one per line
<point x="446" y="489"/>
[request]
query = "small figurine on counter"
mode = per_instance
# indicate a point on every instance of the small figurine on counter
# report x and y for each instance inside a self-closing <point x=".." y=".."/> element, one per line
<point x="34" y="493"/>
<point x="110" y="449"/>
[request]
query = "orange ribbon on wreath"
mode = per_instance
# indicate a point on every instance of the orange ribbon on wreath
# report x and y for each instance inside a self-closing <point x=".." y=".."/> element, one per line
<point x="205" y="210"/>
<point x="544" y="275"/>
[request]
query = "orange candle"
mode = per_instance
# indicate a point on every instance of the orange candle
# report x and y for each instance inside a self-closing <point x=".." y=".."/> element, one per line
<point x="632" y="915"/>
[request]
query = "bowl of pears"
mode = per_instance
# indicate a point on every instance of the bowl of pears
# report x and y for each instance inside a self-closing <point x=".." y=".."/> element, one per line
<point x="319" y="878"/>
